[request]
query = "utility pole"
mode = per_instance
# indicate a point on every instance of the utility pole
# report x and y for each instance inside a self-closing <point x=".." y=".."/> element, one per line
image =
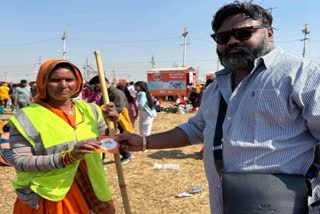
<point x="114" y="81"/>
<point x="37" y="65"/>
<point x="184" y="34"/>
<point x="64" y="51"/>
<point x="306" y="33"/>
<point x="86" y="68"/>
<point x="152" y="61"/>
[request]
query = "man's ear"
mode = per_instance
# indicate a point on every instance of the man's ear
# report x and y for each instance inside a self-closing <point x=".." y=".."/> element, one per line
<point x="270" y="34"/>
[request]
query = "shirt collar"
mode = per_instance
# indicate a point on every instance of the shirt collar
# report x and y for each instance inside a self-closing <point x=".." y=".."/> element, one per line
<point x="271" y="57"/>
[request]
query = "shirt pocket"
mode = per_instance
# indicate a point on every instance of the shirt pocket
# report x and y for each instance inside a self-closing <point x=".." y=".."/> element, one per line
<point x="271" y="107"/>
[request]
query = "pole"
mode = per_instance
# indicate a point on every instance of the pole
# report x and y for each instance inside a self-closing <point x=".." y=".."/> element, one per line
<point x="64" y="51"/>
<point x="112" y="132"/>
<point x="184" y="34"/>
<point x="306" y="33"/>
<point x="152" y="61"/>
<point x="87" y="67"/>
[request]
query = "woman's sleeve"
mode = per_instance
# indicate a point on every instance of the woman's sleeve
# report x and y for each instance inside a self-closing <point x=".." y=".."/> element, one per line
<point x="142" y="100"/>
<point x="23" y="157"/>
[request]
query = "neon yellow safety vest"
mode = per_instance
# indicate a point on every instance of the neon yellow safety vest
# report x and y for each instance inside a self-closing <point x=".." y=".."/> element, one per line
<point x="49" y="134"/>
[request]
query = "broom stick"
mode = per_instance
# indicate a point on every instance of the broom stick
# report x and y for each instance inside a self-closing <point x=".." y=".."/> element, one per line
<point x="112" y="132"/>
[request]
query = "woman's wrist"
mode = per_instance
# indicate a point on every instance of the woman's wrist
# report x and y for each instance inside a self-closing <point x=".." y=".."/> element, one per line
<point x="67" y="158"/>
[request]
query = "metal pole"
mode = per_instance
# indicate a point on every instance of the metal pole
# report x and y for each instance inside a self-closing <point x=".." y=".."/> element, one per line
<point x="64" y="51"/>
<point x="184" y="34"/>
<point x="87" y="68"/>
<point x="306" y="33"/>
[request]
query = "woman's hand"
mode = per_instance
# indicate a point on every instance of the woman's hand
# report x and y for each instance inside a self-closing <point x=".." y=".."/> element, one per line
<point x="84" y="147"/>
<point x="109" y="110"/>
<point x="130" y="142"/>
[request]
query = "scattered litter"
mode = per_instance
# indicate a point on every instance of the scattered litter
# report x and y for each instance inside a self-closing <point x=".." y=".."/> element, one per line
<point x="183" y="194"/>
<point x="165" y="166"/>
<point x="194" y="190"/>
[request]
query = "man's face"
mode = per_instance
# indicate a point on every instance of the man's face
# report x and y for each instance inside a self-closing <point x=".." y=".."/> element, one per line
<point x="237" y="55"/>
<point x="96" y="87"/>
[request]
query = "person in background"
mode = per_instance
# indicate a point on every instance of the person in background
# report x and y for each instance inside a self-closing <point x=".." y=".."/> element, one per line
<point x="5" y="151"/>
<point x="131" y="103"/>
<point x="57" y="165"/>
<point x="156" y="104"/>
<point x="33" y="89"/>
<point x="146" y="108"/>
<point x="132" y="90"/>
<point x="120" y="101"/>
<point x="271" y="126"/>
<point x="12" y="93"/>
<point x="23" y="96"/>
<point x="194" y="98"/>
<point x="86" y="91"/>
<point x="4" y="96"/>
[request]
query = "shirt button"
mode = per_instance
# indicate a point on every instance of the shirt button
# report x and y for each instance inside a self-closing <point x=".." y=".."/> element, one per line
<point x="228" y="118"/>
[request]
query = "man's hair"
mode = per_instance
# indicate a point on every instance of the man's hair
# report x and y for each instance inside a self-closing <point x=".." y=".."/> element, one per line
<point x="23" y="82"/>
<point x="252" y="11"/>
<point x="131" y="83"/>
<point x="96" y="80"/>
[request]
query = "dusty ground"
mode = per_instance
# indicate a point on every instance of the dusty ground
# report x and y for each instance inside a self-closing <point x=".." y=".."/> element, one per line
<point x="150" y="191"/>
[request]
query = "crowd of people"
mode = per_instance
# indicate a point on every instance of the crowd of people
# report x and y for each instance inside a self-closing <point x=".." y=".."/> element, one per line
<point x="132" y="100"/>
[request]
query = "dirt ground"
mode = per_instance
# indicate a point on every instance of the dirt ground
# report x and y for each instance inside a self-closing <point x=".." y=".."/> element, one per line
<point x="150" y="191"/>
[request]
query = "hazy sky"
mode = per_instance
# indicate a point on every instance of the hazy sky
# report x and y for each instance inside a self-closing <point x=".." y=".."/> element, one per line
<point x="129" y="32"/>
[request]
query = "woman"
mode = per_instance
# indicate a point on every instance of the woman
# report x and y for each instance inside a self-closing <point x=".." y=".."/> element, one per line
<point x="5" y="152"/>
<point x="4" y="96"/>
<point x="53" y="144"/>
<point x="146" y="108"/>
<point x="131" y="103"/>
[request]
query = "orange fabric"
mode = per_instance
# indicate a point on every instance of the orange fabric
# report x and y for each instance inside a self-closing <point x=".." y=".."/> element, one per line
<point x="73" y="203"/>
<point x="44" y="72"/>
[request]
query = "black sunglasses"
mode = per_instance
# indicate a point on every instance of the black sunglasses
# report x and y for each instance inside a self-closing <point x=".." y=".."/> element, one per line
<point x="240" y="34"/>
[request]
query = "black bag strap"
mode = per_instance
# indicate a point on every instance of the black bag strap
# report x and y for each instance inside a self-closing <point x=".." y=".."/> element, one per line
<point x="217" y="142"/>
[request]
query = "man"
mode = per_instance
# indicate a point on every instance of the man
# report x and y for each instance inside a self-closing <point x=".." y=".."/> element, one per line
<point x="119" y="99"/>
<point x="272" y="120"/>
<point x="22" y="95"/>
<point x="131" y="89"/>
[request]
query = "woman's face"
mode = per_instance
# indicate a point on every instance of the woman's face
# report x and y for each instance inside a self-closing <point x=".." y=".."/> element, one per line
<point x="62" y="85"/>
<point x="137" y="88"/>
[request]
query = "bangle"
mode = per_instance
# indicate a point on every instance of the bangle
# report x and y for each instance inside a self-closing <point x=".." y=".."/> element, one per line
<point x="144" y="143"/>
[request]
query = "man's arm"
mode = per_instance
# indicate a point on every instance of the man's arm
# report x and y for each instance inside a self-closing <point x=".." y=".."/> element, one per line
<point x="173" y="138"/>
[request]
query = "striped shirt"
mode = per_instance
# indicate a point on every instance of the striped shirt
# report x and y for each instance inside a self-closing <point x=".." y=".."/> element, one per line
<point x="272" y="123"/>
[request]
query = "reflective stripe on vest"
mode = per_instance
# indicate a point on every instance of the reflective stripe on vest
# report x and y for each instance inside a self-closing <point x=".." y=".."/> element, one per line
<point x="49" y="134"/>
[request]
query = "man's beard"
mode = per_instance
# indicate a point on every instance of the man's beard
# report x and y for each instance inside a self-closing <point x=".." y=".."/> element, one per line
<point x="243" y="60"/>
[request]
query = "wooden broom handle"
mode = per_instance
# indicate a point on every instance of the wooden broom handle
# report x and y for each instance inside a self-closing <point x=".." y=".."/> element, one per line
<point x="112" y="132"/>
